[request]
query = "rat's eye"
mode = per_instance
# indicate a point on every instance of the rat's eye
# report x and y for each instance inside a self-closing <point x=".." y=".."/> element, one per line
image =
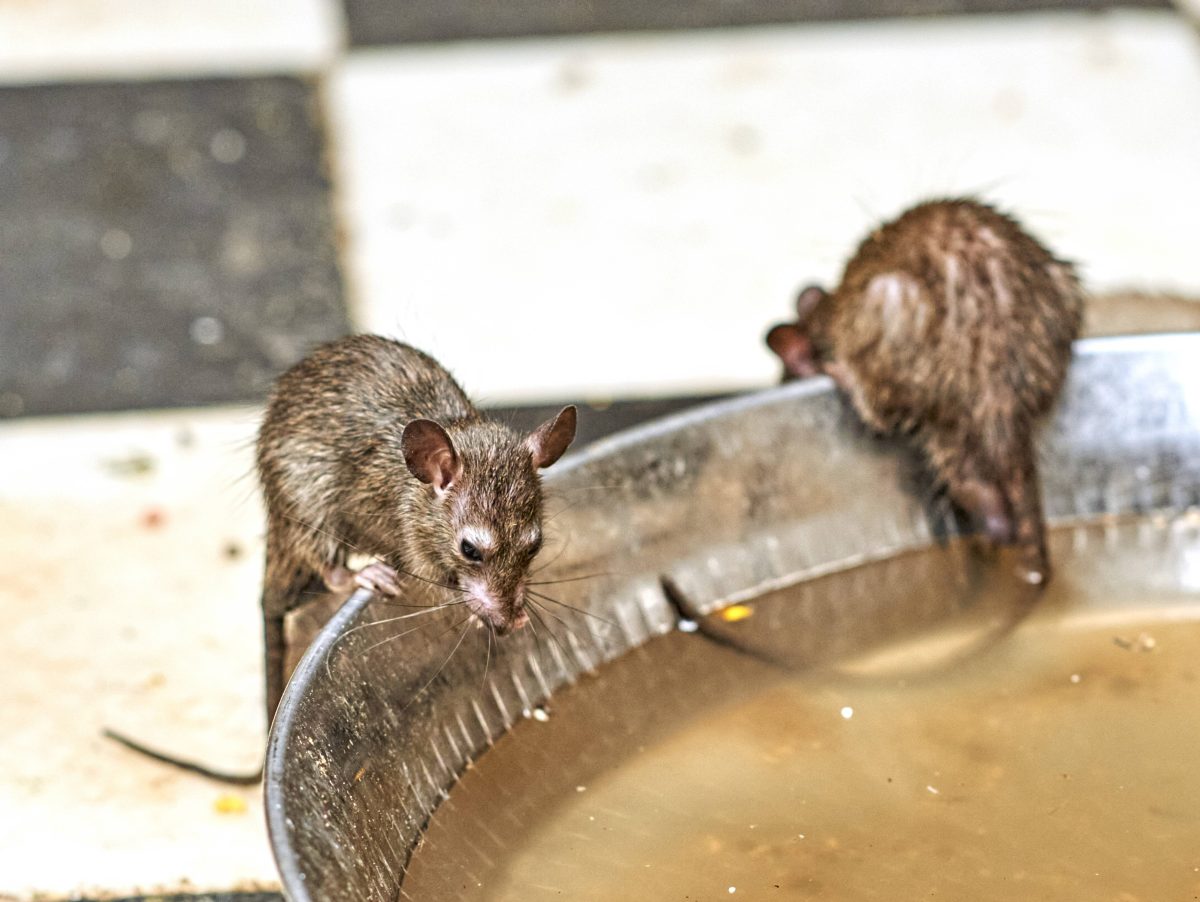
<point x="470" y="552"/>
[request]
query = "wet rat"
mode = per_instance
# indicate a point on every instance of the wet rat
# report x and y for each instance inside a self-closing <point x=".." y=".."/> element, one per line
<point x="369" y="446"/>
<point x="954" y="325"/>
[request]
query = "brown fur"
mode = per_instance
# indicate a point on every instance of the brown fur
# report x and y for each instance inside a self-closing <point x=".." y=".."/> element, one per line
<point x="955" y="325"/>
<point x="332" y="463"/>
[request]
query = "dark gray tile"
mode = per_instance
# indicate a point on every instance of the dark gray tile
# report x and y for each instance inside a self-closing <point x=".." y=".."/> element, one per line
<point x="167" y="243"/>
<point x="597" y="421"/>
<point x="403" y="21"/>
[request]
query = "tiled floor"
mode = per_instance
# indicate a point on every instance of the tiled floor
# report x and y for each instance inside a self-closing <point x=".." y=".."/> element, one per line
<point x="395" y="22"/>
<point x="166" y="242"/>
<point x="68" y="40"/>
<point x="191" y="193"/>
<point x="647" y="205"/>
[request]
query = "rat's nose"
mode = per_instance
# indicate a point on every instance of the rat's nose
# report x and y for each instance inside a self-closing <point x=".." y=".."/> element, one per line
<point x="511" y="616"/>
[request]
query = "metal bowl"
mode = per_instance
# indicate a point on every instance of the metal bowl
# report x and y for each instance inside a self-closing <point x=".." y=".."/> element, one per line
<point x="728" y="502"/>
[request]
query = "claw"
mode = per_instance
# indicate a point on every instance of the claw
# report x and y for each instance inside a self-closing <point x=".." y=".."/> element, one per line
<point x="1033" y="577"/>
<point x="1034" y="567"/>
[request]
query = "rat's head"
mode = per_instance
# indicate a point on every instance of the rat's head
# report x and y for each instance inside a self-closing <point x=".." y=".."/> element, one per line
<point x="480" y="524"/>
<point x="797" y="344"/>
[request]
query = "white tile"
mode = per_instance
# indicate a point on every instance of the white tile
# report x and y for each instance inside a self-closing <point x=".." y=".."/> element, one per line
<point x="122" y="608"/>
<point x="616" y="215"/>
<point x="54" y="40"/>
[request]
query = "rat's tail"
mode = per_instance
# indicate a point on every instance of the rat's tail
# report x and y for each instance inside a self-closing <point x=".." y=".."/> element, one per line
<point x="221" y="776"/>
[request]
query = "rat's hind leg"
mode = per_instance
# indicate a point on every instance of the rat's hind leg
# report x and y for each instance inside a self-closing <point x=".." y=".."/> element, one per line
<point x="288" y="582"/>
<point x="1024" y="493"/>
<point x="280" y="592"/>
<point x="985" y="502"/>
<point x="972" y="487"/>
<point x="1000" y="490"/>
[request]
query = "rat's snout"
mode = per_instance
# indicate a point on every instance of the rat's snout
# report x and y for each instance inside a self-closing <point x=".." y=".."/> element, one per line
<point x="504" y="626"/>
<point x="501" y="608"/>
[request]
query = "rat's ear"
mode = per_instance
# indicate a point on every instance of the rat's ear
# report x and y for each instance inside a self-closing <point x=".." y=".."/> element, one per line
<point x="807" y="300"/>
<point x="430" y="454"/>
<point x="792" y="347"/>
<point x="548" y="442"/>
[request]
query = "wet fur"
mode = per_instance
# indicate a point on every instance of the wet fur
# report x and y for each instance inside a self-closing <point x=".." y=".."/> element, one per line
<point x="953" y="324"/>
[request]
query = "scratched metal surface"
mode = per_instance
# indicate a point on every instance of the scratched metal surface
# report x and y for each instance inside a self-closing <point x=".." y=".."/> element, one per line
<point x="729" y="501"/>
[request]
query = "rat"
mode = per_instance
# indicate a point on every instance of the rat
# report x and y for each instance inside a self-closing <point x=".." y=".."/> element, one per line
<point x="369" y="446"/>
<point x="954" y="325"/>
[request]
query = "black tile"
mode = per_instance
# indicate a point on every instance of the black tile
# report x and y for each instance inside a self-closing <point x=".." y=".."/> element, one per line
<point x="597" y="421"/>
<point x="404" y="21"/>
<point x="165" y="243"/>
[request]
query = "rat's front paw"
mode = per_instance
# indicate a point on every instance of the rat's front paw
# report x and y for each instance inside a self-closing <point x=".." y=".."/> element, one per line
<point x="378" y="578"/>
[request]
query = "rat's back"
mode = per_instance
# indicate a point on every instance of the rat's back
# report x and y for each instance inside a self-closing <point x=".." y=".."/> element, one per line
<point x="953" y="312"/>
<point x="347" y="400"/>
<point x="361" y="380"/>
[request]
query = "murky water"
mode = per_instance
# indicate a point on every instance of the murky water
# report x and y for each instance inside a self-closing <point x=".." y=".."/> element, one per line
<point x="1053" y="756"/>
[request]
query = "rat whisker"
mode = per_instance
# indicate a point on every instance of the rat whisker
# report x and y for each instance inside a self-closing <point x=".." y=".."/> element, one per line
<point x="541" y="607"/>
<point x="414" y="629"/>
<point x="441" y="667"/>
<point x="572" y="607"/>
<point x="558" y="554"/>
<point x="569" y="579"/>
<point x="550" y="562"/>
<point x="427" y="609"/>
<point x="449" y="587"/>
<point x="554" y="515"/>
<point x="432" y="582"/>
<point x="553" y="637"/>
<point x="488" y="660"/>
<point x="375" y="599"/>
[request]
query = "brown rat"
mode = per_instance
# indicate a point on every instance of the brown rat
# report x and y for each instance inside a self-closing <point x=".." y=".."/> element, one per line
<point x="368" y="445"/>
<point x="953" y="324"/>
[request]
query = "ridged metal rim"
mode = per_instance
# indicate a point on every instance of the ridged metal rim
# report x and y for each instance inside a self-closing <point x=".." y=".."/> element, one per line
<point x="1161" y="430"/>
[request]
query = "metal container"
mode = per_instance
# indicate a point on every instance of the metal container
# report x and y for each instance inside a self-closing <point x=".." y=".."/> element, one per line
<point x="723" y="503"/>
